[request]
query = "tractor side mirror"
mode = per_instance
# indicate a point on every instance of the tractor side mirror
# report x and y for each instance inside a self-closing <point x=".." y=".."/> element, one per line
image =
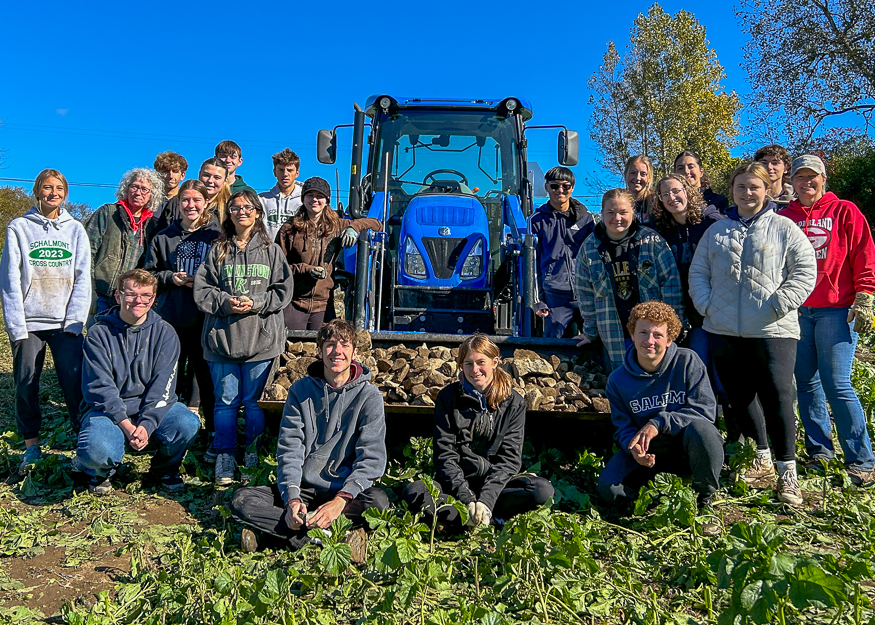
<point x="568" y="152"/>
<point x="326" y="147"/>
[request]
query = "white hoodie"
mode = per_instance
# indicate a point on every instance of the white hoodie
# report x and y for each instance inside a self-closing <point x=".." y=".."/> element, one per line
<point x="278" y="207"/>
<point x="45" y="275"/>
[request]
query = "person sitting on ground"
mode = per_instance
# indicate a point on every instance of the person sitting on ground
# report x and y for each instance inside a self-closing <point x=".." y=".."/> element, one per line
<point x="621" y="264"/>
<point x="282" y="202"/>
<point x="561" y="226"/>
<point x="171" y="167"/>
<point x="479" y="424"/>
<point x="129" y="389"/>
<point x="330" y="452"/>
<point x="663" y="410"/>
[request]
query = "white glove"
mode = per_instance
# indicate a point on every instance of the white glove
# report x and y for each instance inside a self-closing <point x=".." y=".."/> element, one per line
<point x="472" y="512"/>
<point x="482" y="514"/>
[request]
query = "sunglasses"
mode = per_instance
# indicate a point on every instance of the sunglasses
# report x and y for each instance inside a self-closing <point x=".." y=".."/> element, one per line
<point x="565" y="186"/>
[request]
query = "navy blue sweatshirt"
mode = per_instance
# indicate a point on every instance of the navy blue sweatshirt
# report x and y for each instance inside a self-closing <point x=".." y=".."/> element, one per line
<point x="129" y="372"/>
<point x="683" y="240"/>
<point x="669" y="399"/>
<point x="560" y="235"/>
<point x="173" y="250"/>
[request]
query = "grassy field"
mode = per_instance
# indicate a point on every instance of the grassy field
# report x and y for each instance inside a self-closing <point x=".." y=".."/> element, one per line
<point x="137" y="556"/>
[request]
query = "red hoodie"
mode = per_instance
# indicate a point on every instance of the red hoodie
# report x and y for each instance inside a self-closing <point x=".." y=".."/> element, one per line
<point x="843" y="247"/>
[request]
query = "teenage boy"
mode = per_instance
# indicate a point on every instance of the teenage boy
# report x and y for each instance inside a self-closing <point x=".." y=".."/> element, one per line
<point x="331" y="448"/>
<point x="560" y="225"/>
<point x="128" y="385"/>
<point x="172" y="168"/>
<point x="284" y="200"/>
<point x="232" y="156"/>
<point x="663" y="409"/>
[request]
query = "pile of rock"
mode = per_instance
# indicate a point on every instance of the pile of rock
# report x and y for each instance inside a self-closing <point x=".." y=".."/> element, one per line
<point x="415" y="375"/>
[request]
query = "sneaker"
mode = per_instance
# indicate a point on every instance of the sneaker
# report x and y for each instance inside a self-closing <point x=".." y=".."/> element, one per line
<point x="357" y="540"/>
<point x="170" y="483"/>
<point x="788" y="489"/>
<point x="210" y="454"/>
<point x="250" y="459"/>
<point x="861" y="477"/>
<point x="762" y="470"/>
<point x="225" y="467"/>
<point x="248" y="541"/>
<point x="815" y="463"/>
<point x="99" y="485"/>
<point x="29" y="457"/>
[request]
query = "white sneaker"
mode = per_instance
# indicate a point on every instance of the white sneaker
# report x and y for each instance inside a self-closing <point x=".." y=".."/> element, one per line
<point x="762" y="470"/>
<point x="788" y="488"/>
<point x="225" y="468"/>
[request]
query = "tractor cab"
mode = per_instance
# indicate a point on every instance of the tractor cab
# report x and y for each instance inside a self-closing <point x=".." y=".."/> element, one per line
<point x="448" y="180"/>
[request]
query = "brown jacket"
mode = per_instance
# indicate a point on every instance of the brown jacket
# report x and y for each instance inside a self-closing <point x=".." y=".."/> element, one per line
<point x="304" y="253"/>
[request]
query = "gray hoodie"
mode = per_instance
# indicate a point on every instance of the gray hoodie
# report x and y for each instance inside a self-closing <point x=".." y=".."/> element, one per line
<point x="670" y="398"/>
<point x="260" y="272"/>
<point x="45" y="275"/>
<point x="331" y="439"/>
<point x="278" y="207"/>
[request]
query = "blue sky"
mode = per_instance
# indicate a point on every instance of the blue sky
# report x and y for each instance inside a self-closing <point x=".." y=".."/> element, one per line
<point x="94" y="89"/>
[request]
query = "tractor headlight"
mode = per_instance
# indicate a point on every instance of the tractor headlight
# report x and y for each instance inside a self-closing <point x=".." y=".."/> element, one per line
<point x="473" y="265"/>
<point x="414" y="265"/>
<point x="511" y="105"/>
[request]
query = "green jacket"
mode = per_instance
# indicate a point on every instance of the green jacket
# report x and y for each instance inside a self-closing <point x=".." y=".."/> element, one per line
<point x="115" y="247"/>
<point x="240" y="184"/>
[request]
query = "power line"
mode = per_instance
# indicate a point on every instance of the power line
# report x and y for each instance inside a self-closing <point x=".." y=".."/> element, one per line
<point x="72" y="184"/>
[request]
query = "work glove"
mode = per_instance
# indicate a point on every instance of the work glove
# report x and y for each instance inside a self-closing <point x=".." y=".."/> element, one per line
<point x="478" y="514"/>
<point x="861" y="313"/>
<point x="349" y="237"/>
<point x="318" y="273"/>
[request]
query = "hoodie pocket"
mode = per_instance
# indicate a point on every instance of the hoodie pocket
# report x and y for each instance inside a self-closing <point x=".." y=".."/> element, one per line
<point x="238" y="337"/>
<point x="47" y="299"/>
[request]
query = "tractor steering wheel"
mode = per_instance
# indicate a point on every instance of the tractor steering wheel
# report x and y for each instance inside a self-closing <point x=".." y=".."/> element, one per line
<point x="444" y="171"/>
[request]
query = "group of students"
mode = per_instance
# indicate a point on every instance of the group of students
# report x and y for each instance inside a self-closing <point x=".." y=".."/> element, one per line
<point x="784" y="289"/>
<point x="225" y="269"/>
<point x="778" y="285"/>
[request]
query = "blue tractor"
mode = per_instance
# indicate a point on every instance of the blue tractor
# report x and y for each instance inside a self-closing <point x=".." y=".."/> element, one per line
<point x="449" y="181"/>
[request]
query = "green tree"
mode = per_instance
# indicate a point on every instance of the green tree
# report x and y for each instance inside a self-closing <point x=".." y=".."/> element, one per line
<point x="849" y="157"/>
<point x="14" y="202"/>
<point x="808" y="60"/>
<point x="663" y="96"/>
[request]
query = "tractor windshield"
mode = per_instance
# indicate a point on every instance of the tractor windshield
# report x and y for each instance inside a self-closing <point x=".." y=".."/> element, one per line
<point x="434" y="151"/>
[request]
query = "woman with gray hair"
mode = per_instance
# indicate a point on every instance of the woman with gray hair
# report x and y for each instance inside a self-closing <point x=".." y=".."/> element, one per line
<point x="120" y="232"/>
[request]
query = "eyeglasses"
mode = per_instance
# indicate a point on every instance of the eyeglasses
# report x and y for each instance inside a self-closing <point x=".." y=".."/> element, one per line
<point x="143" y="298"/>
<point x="670" y="194"/>
<point x="565" y="186"/>
<point x="134" y="188"/>
<point x="248" y="209"/>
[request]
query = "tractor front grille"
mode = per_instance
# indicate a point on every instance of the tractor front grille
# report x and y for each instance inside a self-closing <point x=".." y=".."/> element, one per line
<point x="444" y="254"/>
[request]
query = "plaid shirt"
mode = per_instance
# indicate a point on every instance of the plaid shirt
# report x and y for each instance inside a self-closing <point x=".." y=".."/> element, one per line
<point x="658" y="279"/>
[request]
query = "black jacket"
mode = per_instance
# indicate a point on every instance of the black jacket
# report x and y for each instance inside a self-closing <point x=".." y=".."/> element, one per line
<point x="465" y="462"/>
<point x="560" y="235"/>
<point x="715" y="199"/>
<point x="173" y="250"/>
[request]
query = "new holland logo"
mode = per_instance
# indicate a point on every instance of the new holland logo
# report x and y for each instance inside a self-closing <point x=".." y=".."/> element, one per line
<point x="444" y="231"/>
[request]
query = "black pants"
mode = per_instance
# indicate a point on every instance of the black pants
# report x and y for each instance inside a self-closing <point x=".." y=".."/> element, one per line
<point x="301" y="320"/>
<point x="28" y="358"/>
<point x="262" y="507"/>
<point x="698" y="449"/>
<point x="191" y="356"/>
<point x="755" y="368"/>
<point x="521" y="494"/>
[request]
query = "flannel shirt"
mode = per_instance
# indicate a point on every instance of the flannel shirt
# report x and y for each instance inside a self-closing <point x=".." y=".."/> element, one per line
<point x="658" y="279"/>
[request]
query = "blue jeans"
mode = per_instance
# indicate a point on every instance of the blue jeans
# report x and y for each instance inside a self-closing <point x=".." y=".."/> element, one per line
<point x="102" y="443"/>
<point x="238" y="384"/>
<point x="823" y="372"/>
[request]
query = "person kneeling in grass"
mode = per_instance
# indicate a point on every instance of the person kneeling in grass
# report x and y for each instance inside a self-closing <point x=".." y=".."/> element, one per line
<point x="331" y="449"/>
<point x="129" y="389"/>
<point x="479" y="423"/>
<point x="663" y="409"/>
